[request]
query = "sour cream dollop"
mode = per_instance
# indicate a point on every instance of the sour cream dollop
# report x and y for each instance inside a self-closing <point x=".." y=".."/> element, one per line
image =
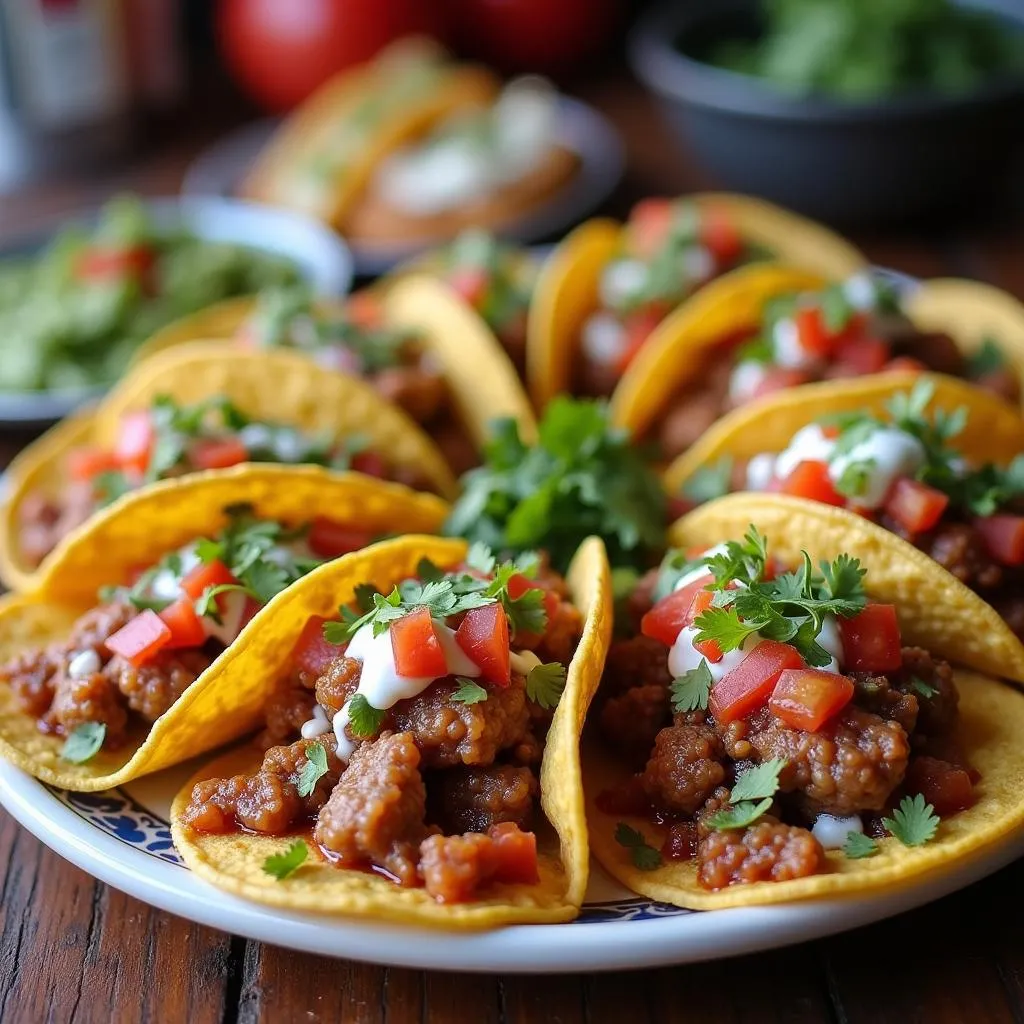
<point x="831" y="831"/>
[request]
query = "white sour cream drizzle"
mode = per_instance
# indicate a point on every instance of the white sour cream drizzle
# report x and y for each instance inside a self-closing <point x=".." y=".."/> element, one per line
<point x="746" y="377"/>
<point x="603" y="338"/>
<point x="786" y="346"/>
<point x="861" y="292"/>
<point x="84" y="664"/>
<point x="832" y="831"/>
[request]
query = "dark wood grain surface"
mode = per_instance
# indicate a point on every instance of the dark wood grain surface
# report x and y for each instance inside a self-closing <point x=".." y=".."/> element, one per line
<point x="73" y="949"/>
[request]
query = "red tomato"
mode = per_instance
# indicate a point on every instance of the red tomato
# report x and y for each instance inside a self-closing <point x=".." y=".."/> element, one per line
<point x="671" y="614"/>
<point x="515" y="854"/>
<point x="364" y="309"/>
<point x="101" y="264"/>
<point x="86" y="463"/>
<point x="186" y="627"/>
<point x="871" y="640"/>
<point x="312" y="653"/>
<point x="218" y="453"/>
<point x="280" y="52"/>
<point x="328" y="539"/>
<point x="520" y="584"/>
<point x="806" y="698"/>
<point x="810" y="479"/>
<point x="945" y="786"/>
<point x="811" y="331"/>
<point x="140" y="639"/>
<point x="134" y="441"/>
<point x="639" y="327"/>
<point x="370" y="463"/>
<point x="470" y="283"/>
<point x="207" y="574"/>
<point x="914" y="505"/>
<point x="747" y="687"/>
<point x="648" y="226"/>
<point x="416" y="647"/>
<point x="720" y="234"/>
<point x="860" y="356"/>
<point x="1003" y="536"/>
<point x="778" y="378"/>
<point x="706" y="648"/>
<point x="905" y="364"/>
<point x="533" y="35"/>
<point x="483" y="635"/>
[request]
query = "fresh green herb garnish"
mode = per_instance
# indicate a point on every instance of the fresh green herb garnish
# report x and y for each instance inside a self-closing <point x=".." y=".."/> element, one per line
<point x="920" y="687"/>
<point x="313" y="770"/>
<point x="989" y="358"/>
<point x="710" y="482"/>
<point x="914" y="822"/>
<point x="752" y="796"/>
<point x="644" y="856"/>
<point x="545" y="683"/>
<point x="859" y="846"/>
<point x="468" y="692"/>
<point x="691" y="690"/>
<point x="674" y="566"/>
<point x="363" y="718"/>
<point x="281" y="865"/>
<point x="83" y="742"/>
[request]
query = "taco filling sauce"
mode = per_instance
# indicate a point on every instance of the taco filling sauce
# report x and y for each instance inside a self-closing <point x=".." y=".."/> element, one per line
<point x="846" y="330"/>
<point x="130" y="658"/>
<point x="169" y="440"/>
<point x="413" y="730"/>
<point x="773" y="716"/>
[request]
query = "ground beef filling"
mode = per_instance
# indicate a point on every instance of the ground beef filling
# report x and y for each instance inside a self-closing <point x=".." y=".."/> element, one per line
<point x="45" y="520"/>
<point x="894" y="738"/>
<point x="115" y="694"/>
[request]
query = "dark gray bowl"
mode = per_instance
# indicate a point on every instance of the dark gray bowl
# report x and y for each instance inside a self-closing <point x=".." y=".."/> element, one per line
<point x="851" y="163"/>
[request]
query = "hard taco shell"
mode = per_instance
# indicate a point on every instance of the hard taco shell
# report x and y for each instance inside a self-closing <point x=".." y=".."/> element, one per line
<point x="227" y="700"/>
<point x="234" y="862"/>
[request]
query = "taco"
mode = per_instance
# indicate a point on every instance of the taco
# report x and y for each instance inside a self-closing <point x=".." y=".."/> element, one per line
<point x="423" y="706"/>
<point x="489" y="164"/>
<point x="418" y="344"/>
<point x="127" y="656"/>
<point x="765" y="329"/>
<point x="775" y="726"/>
<point x="609" y="289"/>
<point x="323" y="157"/>
<point x="935" y="475"/>
<point x="196" y="408"/>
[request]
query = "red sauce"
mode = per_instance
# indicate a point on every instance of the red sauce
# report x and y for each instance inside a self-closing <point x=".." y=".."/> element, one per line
<point x="681" y="842"/>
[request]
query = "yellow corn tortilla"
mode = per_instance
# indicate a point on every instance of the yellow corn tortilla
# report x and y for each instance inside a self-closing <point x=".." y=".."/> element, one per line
<point x="936" y="610"/>
<point x="994" y="431"/>
<point x="234" y="862"/>
<point x="992" y="721"/>
<point x="277" y="386"/>
<point x="304" y="133"/>
<point x="567" y="291"/>
<point x="226" y="701"/>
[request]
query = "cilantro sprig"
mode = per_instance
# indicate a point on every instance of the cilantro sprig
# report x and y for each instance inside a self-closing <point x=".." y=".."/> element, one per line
<point x="313" y="770"/>
<point x="858" y="846"/>
<point x="364" y="720"/>
<point x="545" y="683"/>
<point x="641" y="853"/>
<point x="751" y="797"/>
<point x="914" y="822"/>
<point x="84" y="742"/>
<point x="281" y="865"/>
<point x="691" y="690"/>
<point x="582" y="477"/>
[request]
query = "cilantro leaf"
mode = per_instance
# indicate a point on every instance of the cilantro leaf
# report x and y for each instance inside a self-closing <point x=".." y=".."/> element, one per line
<point x="545" y="683"/>
<point x="989" y="358"/>
<point x="741" y="561"/>
<point x="859" y="845"/>
<point x="363" y="718"/>
<point x="710" y="482"/>
<point x="674" y="566"/>
<point x="644" y="856"/>
<point x="914" y="822"/>
<point x="364" y="594"/>
<point x="479" y="557"/>
<point x="739" y="816"/>
<point x="724" y="627"/>
<point x="921" y="688"/>
<point x="469" y="692"/>
<point x="691" y="690"/>
<point x="109" y="486"/>
<point x="758" y="782"/>
<point x="83" y="742"/>
<point x="281" y="865"/>
<point x="313" y="770"/>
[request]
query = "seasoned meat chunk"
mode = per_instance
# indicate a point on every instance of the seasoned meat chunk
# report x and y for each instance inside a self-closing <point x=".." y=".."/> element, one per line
<point x="454" y="868"/>
<point x="631" y="721"/>
<point x="287" y="710"/>
<point x="470" y="799"/>
<point x="337" y="684"/>
<point x="96" y="625"/>
<point x="959" y="549"/>
<point x="938" y="351"/>
<point x="851" y="765"/>
<point x="43" y="523"/>
<point x="449" y="732"/>
<point x="152" y="688"/>
<point x="767" y="851"/>
<point x="684" y="770"/>
<point x="415" y="390"/>
<point x="31" y="676"/>
<point x="564" y="628"/>
<point x="878" y="695"/>
<point x="690" y="416"/>
<point x="639" y="661"/>
<point x="931" y="682"/>
<point x="92" y="699"/>
<point x="641" y="600"/>
<point x="376" y="811"/>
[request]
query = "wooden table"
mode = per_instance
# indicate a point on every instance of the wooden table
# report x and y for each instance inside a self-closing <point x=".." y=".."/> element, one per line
<point x="72" y="949"/>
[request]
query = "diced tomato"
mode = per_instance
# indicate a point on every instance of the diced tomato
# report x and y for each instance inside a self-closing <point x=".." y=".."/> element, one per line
<point x="87" y="463"/>
<point x="860" y="356"/>
<point x="648" y="226"/>
<point x="671" y="614"/>
<point x="1003" y="536"/>
<point x="778" y="378"/>
<point x="207" y="574"/>
<point x="639" y="326"/>
<point x="252" y="606"/>
<point x="810" y="479"/>
<point x="135" y="439"/>
<point x="515" y="854"/>
<point x="98" y="263"/>
<point x="417" y="650"/>
<point x="483" y="635"/>
<point x="370" y="463"/>
<point x="519" y="585"/>
<point x="312" y="653"/>
<point x="470" y="283"/>
<point x="329" y="539"/>
<point x="186" y="627"/>
<point x="914" y="505"/>
<point x="947" y="787"/>
<point x="720" y="234"/>
<point x="811" y="331"/>
<point x="806" y="698"/>
<point x="706" y="648"/>
<point x="364" y="309"/>
<point x="747" y="687"/>
<point x="218" y="453"/>
<point x="905" y="364"/>
<point x="140" y="639"/>
<point x="871" y="639"/>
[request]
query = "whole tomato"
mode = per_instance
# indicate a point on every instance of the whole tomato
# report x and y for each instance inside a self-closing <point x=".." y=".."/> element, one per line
<point x="281" y="50"/>
<point x="533" y="35"/>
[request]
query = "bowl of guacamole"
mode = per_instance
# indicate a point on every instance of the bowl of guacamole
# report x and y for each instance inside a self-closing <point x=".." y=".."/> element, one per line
<point x="75" y="305"/>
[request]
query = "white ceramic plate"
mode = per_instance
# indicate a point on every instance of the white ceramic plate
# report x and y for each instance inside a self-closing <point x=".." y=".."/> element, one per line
<point x="122" y="838"/>
<point x="217" y="171"/>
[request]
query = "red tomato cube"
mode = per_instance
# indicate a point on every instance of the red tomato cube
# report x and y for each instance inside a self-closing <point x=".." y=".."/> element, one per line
<point x="87" y="463"/>
<point x="811" y="331"/>
<point x="207" y="574"/>
<point x="329" y="539"/>
<point x="417" y="650"/>
<point x="914" y="505"/>
<point x="1003" y="536"/>
<point x="672" y="613"/>
<point x="778" y="378"/>
<point x="648" y="226"/>
<point x="719" y="233"/>
<point x="746" y="688"/>
<point x="515" y="854"/>
<point x="811" y="480"/>
<point x="806" y="698"/>
<point x="470" y="283"/>
<point x="312" y="653"/>
<point x="185" y="625"/>
<point x="871" y="640"/>
<point x="135" y="441"/>
<point x="947" y="787"/>
<point x="639" y="327"/>
<point x="860" y="356"/>
<point x="700" y="604"/>
<point x="140" y="639"/>
<point x="483" y="636"/>
<point x="218" y="453"/>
